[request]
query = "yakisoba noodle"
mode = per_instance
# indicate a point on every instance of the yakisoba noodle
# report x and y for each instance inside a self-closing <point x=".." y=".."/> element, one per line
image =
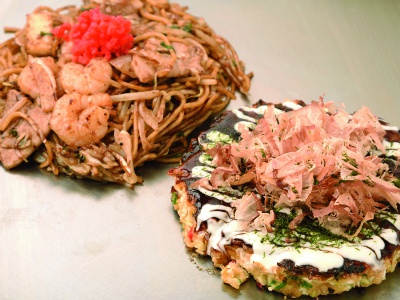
<point x="149" y="119"/>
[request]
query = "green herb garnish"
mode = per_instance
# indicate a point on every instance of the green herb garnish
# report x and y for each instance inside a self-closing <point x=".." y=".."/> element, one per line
<point x="301" y="282"/>
<point x="14" y="133"/>
<point x="174" y="197"/>
<point x="308" y="231"/>
<point x="169" y="47"/>
<point x="169" y="106"/>
<point x="349" y="160"/>
<point x="280" y="286"/>
<point x="305" y="284"/>
<point x="42" y="33"/>
<point x="188" y="27"/>
<point x="397" y="182"/>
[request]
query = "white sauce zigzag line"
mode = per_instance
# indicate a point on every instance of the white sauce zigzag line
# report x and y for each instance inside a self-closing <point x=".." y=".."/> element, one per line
<point x="210" y="211"/>
<point x="390" y="128"/>
<point x="390" y="235"/>
<point x="206" y="159"/>
<point x="217" y="195"/>
<point x="202" y="171"/>
<point x="246" y="124"/>
<point x="292" y="105"/>
<point x="222" y="228"/>
<point x="242" y="116"/>
<point x="392" y="148"/>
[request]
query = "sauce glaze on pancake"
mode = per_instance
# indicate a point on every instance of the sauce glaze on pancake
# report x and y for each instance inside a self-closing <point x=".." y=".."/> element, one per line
<point x="306" y="260"/>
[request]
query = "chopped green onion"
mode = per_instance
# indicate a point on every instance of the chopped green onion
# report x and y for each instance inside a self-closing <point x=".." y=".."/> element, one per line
<point x="397" y="182"/>
<point x="42" y="33"/>
<point x="188" y="27"/>
<point x="174" y="197"/>
<point x="280" y="286"/>
<point x="169" y="47"/>
<point x="305" y="284"/>
<point x="14" y="133"/>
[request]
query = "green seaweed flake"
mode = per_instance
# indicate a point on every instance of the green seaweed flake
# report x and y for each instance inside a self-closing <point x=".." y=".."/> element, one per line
<point x="309" y="232"/>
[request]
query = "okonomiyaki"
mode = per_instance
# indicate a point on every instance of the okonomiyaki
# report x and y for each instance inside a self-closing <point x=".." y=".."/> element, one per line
<point x="303" y="198"/>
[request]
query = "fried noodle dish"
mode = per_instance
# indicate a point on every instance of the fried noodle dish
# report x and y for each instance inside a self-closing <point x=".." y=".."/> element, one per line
<point x="95" y="91"/>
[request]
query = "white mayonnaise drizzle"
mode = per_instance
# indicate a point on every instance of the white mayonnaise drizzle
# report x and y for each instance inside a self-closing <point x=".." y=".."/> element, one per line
<point x="285" y="210"/>
<point x="217" y="195"/>
<point x="250" y="122"/>
<point x="215" y="227"/>
<point x="246" y="124"/>
<point x="258" y="110"/>
<point x="216" y="136"/>
<point x="324" y="259"/>
<point x="242" y="116"/>
<point x="392" y="148"/>
<point x="206" y="169"/>
<point x="390" y="236"/>
<point x="292" y="105"/>
<point x="392" y="218"/>
<point x="397" y="222"/>
<point x="375" y="243"/>
<point x="391" y="128"/>
<point x="202" y="171"/>
<point x="206" y="159"/>
<point x="222" y="228"/>
<point x="209" y="211"/>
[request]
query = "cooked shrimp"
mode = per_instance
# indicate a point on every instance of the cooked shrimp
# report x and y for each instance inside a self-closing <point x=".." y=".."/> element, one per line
<point x="37" y="80"/>
<point x="86" y="80"/>
<point x="65" y="55"/>
<point x="80" y="120"/>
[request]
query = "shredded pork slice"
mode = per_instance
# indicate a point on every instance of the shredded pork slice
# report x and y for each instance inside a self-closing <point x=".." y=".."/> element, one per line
<point x="23" y="135"/>
<point x="38" y="81"/>
<point x="154" y="59"/>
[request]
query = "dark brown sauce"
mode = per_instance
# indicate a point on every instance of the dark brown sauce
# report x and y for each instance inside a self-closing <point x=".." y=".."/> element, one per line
<point x="392" y="136"/>
<point x="183" y="173"/>
<point x="349" y="267"/>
